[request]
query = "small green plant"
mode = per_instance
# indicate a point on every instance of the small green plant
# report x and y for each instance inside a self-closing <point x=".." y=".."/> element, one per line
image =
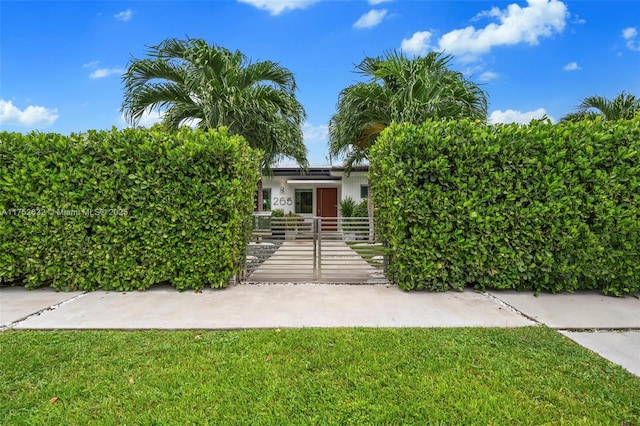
<point x="347" y="206"/>
<point x="292" y="220"/>
<point x="360" y="210"/>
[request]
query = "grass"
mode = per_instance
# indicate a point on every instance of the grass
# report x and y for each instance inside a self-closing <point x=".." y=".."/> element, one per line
<point x="369" y="252"/>
<point x="310" y="376"/>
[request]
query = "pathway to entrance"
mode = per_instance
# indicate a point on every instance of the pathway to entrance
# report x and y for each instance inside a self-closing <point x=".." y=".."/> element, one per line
<point x="316" y="250"/>
<point x="293" y="262"/>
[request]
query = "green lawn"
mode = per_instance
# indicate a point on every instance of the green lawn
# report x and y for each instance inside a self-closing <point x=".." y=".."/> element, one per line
<point x="310" y="376"/>
<point x="369" y="252"/>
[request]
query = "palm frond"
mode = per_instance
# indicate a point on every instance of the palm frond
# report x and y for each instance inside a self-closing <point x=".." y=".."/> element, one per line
<point x="623" y="107"/>
<point x="399" y="90"/>
<point x="196" y="82"/>
<point x="271" y="73"/>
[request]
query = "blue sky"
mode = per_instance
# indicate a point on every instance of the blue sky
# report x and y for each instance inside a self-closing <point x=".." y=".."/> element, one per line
<point x="61" y="62"/>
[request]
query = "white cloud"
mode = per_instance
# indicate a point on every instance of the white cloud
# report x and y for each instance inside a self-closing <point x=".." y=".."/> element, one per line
<point x="125" y="15"/>
<point x="91" y="64"/>
<point x="315" y="134"/>
<point x="513" y="116"/>
<point x="478" y="72"/>
<point x="276" y="7"/>
<point x="101" y="72"/>
<point x="148" y="119"/>
<point x="578" y="20"/>
<point x="418" y="44"/>
<point x="32" y="115"/>
<point x="370" y="19"/>
<point x="630" y="34"/>
<point x="377" y="2"/>
<point x="105" y="72"/>
<point x="487" y="76"/>
<point x="494" y="12"/>
<point x="572" y="66"/>
<point x="540" y="18"/>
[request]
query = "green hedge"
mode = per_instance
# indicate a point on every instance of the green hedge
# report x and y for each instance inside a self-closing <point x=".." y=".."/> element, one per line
<point x="542" y="207"/>
<point x="123" y="210"/>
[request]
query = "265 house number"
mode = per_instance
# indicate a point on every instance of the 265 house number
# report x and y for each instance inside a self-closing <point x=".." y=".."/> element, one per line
<point x="282" y="201"/>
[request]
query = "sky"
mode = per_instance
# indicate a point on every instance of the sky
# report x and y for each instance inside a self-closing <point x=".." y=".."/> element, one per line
<point x="61" y="62"/>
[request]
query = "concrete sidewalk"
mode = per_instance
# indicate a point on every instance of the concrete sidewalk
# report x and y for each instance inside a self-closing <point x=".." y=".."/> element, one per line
<point x="257" y="306"/>
<point x="607" y="325"/>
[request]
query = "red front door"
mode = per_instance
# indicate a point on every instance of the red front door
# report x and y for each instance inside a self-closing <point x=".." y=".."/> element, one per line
<point x="327" y="206"/>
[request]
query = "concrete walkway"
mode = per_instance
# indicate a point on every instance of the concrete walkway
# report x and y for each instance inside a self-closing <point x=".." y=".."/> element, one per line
<point x="293" y="262"/>
<point x="607" y="325"/>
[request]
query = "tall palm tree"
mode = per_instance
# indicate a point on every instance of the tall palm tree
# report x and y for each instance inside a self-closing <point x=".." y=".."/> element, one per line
<point x="192" y="82"/>
<point x="622" y="107"/>
<point x="399" y="90"/>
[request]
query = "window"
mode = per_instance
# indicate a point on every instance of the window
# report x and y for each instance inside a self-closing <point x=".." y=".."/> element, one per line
<point x="304" y="200"/>
<point x="364" y="191"/>
<point x="266" y="199"/>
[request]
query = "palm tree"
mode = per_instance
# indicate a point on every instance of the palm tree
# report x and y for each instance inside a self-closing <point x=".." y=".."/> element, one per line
<point x="622" y="107"/>
<point x="194" y="83"/>
<point x="399" y="90"/>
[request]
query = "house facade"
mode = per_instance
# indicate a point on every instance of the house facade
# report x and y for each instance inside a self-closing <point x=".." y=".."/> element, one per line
<point x="315" y="192"/>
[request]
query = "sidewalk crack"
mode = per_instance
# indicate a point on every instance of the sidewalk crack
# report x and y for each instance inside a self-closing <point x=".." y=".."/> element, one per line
<point x="40" y="312"/>
<point x="513" y="309"/>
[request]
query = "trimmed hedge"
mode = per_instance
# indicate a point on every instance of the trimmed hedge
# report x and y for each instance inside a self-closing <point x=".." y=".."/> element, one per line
<point x="123" y="210"/>
<point x="539" y="207"/>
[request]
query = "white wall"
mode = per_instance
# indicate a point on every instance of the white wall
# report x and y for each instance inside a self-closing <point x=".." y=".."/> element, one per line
<point x="288" y="196"/>
<point x="351" y="186"/>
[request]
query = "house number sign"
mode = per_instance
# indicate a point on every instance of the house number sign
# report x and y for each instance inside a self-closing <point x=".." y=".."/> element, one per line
<point x="282" y="201"/>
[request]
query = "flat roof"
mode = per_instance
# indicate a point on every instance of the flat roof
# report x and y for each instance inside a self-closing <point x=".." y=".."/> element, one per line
<point x="315" y="171"/>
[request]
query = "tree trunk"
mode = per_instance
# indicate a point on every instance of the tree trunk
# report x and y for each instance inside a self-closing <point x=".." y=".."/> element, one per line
<point x="370" y="211"/>
<point x="260" y="196"/>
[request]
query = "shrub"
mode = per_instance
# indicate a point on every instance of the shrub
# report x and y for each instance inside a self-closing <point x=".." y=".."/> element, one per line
<point x="543" y="207"/>
<point x="347" y="206"/>
<point x="361" y="210"/>
<point x="126" y="209"/>
<point x="292" y="220"/>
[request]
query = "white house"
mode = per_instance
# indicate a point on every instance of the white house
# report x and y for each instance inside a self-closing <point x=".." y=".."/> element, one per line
<point x="315" y="192"/>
